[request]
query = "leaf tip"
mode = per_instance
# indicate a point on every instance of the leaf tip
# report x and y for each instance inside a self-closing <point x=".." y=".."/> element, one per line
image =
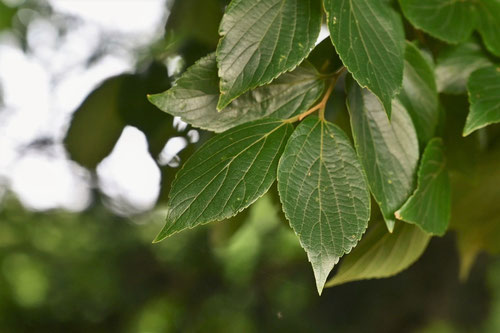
<point x="321" y="269"/>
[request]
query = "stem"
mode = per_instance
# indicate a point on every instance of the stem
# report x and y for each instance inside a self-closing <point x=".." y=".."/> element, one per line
<point x="321" y="106"/>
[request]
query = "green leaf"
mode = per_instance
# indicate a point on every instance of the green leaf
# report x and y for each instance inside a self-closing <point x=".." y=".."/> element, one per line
<point x="324" y="193"/>
<point x="419" y="94"/>
<point x="381" y="254"/>
<point x="369" y="38"/>
<point x="489" y="24"/>
<point x="451" y="21"/>
<point x="262" y="39"/>
<point x="455" y="64"/>
<point x="195" y="94"/>
<point x="430" y="206"/>
<point x="388" y="150"/>
<point x="226" y="175"/>
<point x="484" y="99"/>
<point x="96" y="125"/>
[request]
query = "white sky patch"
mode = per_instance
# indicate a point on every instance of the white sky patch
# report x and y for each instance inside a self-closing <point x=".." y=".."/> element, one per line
<point x="129" y="176"/>
<point x="128" y="16"/>
<point x="43" y="182"/>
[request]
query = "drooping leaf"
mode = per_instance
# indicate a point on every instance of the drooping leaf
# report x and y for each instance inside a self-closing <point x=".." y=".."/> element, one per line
<point x="369" y="38"/>
<point x="451" y="21"/>
<point x="388" y="150"/>
<point x="419" y="94"/>
<point x="262" y="39"/>
<point x="96" y="125"/>
<point x="484" y="99"/>
<point x="381" y="254"/>
<point x="430" y="206"/>
<point x="455" y="64"/>
<point x="195" y="94"/>
<point x="225" y="175"/>
<point x="489" y="24"/>
<point x="475" y="210"/>
<point x="324" y="193"/>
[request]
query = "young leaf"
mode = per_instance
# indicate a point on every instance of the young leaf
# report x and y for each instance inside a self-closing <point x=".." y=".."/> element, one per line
<point x="429" y="207"/>
<point x="195" y="94"/>
<point x="451" y="21"/>
<point x="262" y="39"/>
<point x="388" y="150"/>
<point x="489" y="24"/>
<point x="419" y="94"/>
<point x="324" y="193"/>
<point x="455" y="65"/>
<point x="381" y="254"/>
<point x="484" y="98"/>
<point x="225" y="175"/>
<point x="369" y="38"/>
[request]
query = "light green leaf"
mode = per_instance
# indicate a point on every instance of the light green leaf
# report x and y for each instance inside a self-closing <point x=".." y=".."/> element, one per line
<point x="368" y="35"/>
<point x="430" y="206"/>
<point x="419" y="94"/>
<point x="388" y="150"/>
<point x="195" y="94"/>
<point x="449" y="20"/>
<point x="262" y="39"/>
<point x="484" y="99"/>
<point x="324" y="193"/>
<point x="381" y="254"/>
<point x="455" y="64"/>
<point x="489" y="24"/>
<point x="226" y="175"/>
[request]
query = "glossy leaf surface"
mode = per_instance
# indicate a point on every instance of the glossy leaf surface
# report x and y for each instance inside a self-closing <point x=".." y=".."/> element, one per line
<point x="225" y="175"/>
<point x="195" y="94"/>
<point x="262" y="39"/>
<point x="324" y="193"/>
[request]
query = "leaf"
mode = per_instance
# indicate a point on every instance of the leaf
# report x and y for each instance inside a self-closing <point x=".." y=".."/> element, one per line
<point x="96" y="125"/>
<point x="455" y="65"/>
<point x="381" y="254"/>
<point x="369" y="38"/>
<point x="226" y="175"/>
<point x="324" y="193"/>
<point x="194" y="97"/>
<point x="262" y="39"/>
<point x="419" y="94"/>
<point x="475" y="210"/>
<point x="489" y="24"/>
<point x="430" y="206"/>
<point x="451" y="21"/>
<point x="198" y="19"/>
<point x="387" y="150"/>
<point x="484" y="99"/>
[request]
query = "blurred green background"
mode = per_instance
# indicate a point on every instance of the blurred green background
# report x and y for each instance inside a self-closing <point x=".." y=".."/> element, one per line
<point x="76" y="229"/>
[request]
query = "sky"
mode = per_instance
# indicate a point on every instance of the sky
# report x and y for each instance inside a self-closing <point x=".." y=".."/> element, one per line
<point x="42" y="89"/>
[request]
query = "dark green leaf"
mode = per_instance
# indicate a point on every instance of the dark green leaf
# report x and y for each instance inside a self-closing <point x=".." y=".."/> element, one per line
<point x="96" y="125"/>
<point x="262" y="39"/>
<point x="194" y="97"/>
<point x="225" y="175"/>
<point x="484" y="99"/>
<point x="369" y="38"/>
<point x="381" y="254"/>
<point x="489" y="24"/>
<point x="419" y="94"/>
<point x="388" y="150"/>
<point x="455" y="65"/>
<point x="451" y="21"/>
<point x="429" y="207"/>
<point x="324" y="193"/>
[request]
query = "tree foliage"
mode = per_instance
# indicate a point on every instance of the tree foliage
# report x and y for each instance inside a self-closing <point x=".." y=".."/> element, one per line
<point x="266" y="87"/>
